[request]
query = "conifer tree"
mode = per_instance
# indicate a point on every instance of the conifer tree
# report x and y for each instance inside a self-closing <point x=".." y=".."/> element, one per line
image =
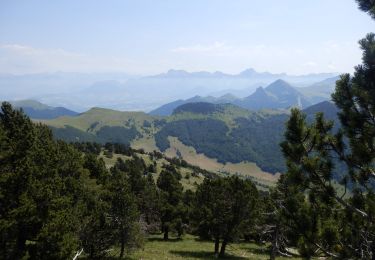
<point x="123" y="211"/>
<point x="171" y="192"/>
<point x="367" y="6"/>
<point x="39" y="190"/>
<point x="310" y="151"/>
<point x="222" y="208"/>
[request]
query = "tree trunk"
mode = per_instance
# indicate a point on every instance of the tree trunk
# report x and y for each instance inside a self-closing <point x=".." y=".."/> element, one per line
<point x="217" y="245"/>
<point x="274" y="248"/>
<point x="166" y="231"/>
<point x="122" y="240"/>
<point x="223" y="246"/>
<point x="92" y="252"/>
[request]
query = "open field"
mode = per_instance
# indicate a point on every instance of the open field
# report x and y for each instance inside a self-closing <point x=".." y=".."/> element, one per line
<point x="190" y="247"/>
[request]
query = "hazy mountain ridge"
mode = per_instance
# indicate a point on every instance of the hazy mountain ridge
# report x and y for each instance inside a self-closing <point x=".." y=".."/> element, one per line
<point x="278" y="95"/>
<point x="80" y="91"/>
<point x="320" y="91"/>
<point x="38" y="110"/>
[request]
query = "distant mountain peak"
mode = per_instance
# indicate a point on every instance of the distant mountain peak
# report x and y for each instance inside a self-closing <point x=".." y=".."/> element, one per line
<point x="37" y="110"/>
<point x="279" y="85"/>
<point x="228" y="96"/>
<point x="248" y="72"/>
<point x="177" y="73"/>
<point x="30" y="103"/>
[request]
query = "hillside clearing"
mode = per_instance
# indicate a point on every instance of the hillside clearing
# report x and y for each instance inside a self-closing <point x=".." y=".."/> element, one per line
<point x="245" y="169"/>
<point x="190" y="247"/>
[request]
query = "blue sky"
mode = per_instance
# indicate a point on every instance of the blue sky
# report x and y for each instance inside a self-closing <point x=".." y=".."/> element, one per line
<point x="150" y="36"/>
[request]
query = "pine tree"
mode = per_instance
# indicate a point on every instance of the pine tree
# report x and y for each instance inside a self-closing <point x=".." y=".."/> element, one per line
<point x="39" y="190"/>
<point x="341" y="227"/>
<point x="367" y="6"/>
<point x="171" y="201"/>
<point x="123" y="211"/>
<point x="222" y="208"/>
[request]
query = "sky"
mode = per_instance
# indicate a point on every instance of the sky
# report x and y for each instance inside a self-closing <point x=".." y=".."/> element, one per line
<point x="144" y="37"/>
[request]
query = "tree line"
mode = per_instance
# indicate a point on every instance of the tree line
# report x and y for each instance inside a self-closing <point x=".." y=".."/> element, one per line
<point x="59" y="200"/>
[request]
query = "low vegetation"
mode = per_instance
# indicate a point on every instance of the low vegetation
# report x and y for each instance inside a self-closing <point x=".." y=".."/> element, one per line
<point x="105" y="201"/>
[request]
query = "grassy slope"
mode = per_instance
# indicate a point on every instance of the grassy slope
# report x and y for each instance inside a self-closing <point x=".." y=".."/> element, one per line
<point x="245" y="168"/>
<point x="92" y="120"/>
<point x="188" y="181"/>
<point x="103" y="117"/>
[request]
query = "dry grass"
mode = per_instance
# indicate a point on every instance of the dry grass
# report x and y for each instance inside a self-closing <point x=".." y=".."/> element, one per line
<point x="244" y="168"/>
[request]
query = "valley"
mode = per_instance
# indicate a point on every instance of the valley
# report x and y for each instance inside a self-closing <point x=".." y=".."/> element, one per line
<point x="221" y="138"/>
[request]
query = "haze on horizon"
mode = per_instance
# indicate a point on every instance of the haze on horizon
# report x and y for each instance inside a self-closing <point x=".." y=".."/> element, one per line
<point x="144" y="37"/>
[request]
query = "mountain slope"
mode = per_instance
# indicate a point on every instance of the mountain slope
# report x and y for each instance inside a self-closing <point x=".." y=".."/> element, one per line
<point x="320" y="91"/>
<point x="225" y="132"/>
<point x="103" y="125"/>
<point x="277" y="95"/>
<point x="167" y="109"/>
<point x="37" y="110"/>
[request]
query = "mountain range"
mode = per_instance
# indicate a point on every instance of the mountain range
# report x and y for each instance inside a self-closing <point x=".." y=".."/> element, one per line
<point x="277" y="95"/>
<point x="80" y="92"/>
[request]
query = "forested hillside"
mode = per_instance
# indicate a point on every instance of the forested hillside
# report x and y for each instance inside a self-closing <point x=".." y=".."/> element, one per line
<point x="224" y="132"/>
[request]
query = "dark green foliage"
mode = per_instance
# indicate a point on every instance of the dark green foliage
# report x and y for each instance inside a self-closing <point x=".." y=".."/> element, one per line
<point x="172" y="207"/>
<point x="112" y="134"/>
<point x="203" y="135"/>
<point x="222" y="209"/>
<point x="88" y="147"/>
<point x="160" y="122"/>
<point x="122" y="149"/>
<point x="56" y="200"/>
<point x="39" y="190"/>
<point x="172" y="169"/>
<point x="325" y="222"/>
<point x="143" y="187"/>
<point x="71" y="134"/>
<point x="355" y="98"/>
<point x="117" y="134"/>
<point x="367" y="6"/>
<point x="315" y="221"/>
<point x="96" y="167"/>
<point x="199" y="108"/>
<point x="123" y="210"/>
<point x="146" y="124"/>
<point x="254" y="140"/>
<point x="150" y="206"/>
<point x="97" y="231"/>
